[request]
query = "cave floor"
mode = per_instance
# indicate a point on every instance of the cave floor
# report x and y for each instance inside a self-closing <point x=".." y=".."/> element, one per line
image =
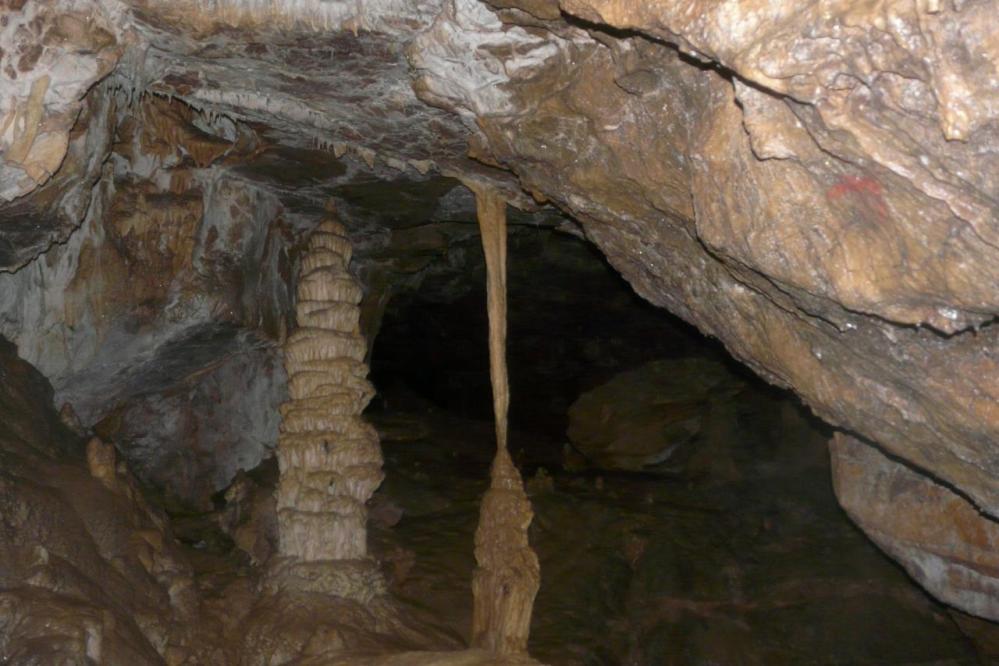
<point x="740" y="558"/>
<point x="749" y="562"/>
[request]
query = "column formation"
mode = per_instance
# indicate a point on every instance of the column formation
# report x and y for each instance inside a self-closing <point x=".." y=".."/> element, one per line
<point x="329" y="458"/>
<point x="507" y="575"/>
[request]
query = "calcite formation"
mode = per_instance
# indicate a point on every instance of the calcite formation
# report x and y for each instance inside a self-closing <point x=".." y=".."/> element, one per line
<point x="814" y="184"/>
<point x="330" y="458"/>
<point x="507" y="575"/>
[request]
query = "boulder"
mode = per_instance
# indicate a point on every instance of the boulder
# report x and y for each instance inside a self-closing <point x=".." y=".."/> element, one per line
<point x="640" y="418"/>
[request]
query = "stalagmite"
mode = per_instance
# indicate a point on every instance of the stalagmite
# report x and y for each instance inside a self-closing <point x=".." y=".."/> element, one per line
<point x="507" y="575"/>
<point x="329" y="458"/>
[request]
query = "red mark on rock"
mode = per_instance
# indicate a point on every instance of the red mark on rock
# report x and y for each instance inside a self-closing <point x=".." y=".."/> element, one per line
<point x="862" y="189"/>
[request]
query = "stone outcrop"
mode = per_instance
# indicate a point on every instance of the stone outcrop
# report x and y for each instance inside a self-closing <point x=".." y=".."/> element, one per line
<point x="935" y="533"/>
<point x="89" y="572"/>
<point x="329" y="456"/>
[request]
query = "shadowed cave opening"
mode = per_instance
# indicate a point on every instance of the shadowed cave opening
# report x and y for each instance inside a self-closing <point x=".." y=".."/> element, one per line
<point x="684" y="507"/>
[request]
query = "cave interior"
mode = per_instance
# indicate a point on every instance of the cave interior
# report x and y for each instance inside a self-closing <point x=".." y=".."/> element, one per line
<point x="264" y="265"/>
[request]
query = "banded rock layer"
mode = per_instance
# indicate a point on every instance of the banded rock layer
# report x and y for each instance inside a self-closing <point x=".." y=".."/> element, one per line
<point x="329" y="457"/>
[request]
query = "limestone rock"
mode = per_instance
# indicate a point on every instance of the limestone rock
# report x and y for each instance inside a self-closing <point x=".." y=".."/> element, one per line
<point x="940" y="537"/>
<point x="640" y="418"/>
<point x="102" y="462"/>
<point x="204" y="410"/>
<point x="53" y="136"/>
<point x="507" y="575"/>
<point x="814" y="185"/>
<point x="250" y="518"/>
<point x="456" y="658"/>
<point x="288" y="626"/>
<point x="89" y="571"/>
<point x="155" y="261"/>
<point x="813" y="194"/>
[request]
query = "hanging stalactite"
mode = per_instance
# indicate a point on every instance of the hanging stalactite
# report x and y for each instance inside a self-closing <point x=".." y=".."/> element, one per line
<point x="507" y="575"/>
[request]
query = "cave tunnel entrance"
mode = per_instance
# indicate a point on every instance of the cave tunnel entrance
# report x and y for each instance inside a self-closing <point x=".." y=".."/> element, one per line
<point x="573" y="325"/>
<point x="684" y="509"/>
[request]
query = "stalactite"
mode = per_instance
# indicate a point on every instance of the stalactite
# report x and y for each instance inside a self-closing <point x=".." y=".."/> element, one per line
<point x="330" y="459"/>
<point x="507" y="575"/>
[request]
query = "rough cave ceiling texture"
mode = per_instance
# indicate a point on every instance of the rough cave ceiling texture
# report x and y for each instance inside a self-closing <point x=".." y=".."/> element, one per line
<point x="814" y="183"/>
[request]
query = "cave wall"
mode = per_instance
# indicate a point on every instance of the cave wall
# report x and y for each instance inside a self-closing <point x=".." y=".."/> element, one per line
<point x="91" y="572"/>
<point x="136" y="319"/>
<point x="821" y="265"/>
<point x="53" y="138"/>
<point x="935" y="532"/>
<point x="815" y="185"/>
<point x="818" y="195"/>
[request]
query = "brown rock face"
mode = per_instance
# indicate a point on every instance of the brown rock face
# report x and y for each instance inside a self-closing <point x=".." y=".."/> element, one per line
<point x="939" y="536"/>
<point x="89" y="571"/>
<point x="638" y="209"/>
<point x="812" y="193"/>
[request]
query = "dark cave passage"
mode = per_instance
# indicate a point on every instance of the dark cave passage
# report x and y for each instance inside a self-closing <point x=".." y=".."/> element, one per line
<point x="573" y="325"/>
<point x="684" y="508"/>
